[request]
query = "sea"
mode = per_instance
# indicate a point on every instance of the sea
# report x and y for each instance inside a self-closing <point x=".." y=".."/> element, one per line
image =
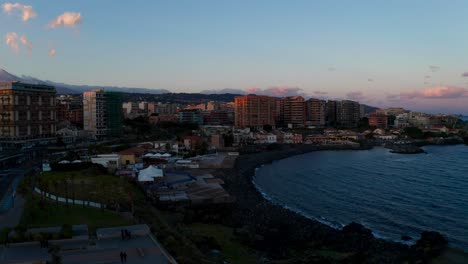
<point x="394" y="195"/>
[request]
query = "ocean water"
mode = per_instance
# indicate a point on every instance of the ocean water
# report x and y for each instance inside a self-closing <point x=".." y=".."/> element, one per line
<point x="392" y="194"/>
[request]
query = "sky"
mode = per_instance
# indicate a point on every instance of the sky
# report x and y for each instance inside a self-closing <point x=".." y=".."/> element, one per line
<point x="385" y="53"/>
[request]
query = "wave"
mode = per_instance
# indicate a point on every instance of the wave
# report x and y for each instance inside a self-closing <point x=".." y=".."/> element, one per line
<point x="391" y="199"/>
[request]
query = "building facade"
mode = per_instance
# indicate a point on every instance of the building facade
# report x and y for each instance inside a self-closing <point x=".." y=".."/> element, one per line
<point x="191" y="116"/>
<point x="102" y="113"/>
<point x="254" y="111"/>
<point x="316" y="112"/>
<point x="331" y="113"/>
<point x="294" y="111"/>
<point x="378" y="120"/>
<point x="348" y="113"/>
<point x="27" y="111"/>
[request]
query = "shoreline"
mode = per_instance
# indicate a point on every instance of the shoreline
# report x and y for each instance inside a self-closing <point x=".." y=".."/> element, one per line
<point x="258" y="213"/>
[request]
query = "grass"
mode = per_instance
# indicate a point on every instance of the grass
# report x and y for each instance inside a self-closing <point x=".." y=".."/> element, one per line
<point x="231" y="249"/>
<point x="47" y="214"/>
<point x="451" y="256"/>
<point x="89" y="185"/>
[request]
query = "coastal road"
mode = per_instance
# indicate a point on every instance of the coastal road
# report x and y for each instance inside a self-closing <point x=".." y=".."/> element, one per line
<point x="11" y="205"/>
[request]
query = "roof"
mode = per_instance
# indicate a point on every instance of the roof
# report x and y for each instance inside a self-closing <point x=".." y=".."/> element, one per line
<point x="133" y="150"/>
<point x="148" y="174"/>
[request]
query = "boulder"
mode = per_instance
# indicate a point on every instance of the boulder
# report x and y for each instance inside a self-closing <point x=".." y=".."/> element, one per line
<point x="357" y="229"/>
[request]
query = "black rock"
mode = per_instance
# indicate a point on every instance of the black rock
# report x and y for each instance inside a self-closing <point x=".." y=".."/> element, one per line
<point x="406" y="238"/>
<point x="357" y="229"/>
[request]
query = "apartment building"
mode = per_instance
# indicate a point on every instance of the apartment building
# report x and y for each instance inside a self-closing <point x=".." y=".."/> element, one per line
<point x="254" y="111"/>
<point x="27" y="111"/>
<point x="102" y="113"/>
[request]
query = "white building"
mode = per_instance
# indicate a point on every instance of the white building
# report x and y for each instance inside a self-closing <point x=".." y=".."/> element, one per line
<point x="109" y="161"/>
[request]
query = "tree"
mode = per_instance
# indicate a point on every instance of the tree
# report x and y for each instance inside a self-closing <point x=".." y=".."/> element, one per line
<point x="82" y="183"/>
<point x="267" y="128"/>
<point x="72" y="179"/>
<point x="414" y="132"/>
<point x="56" y="184"/>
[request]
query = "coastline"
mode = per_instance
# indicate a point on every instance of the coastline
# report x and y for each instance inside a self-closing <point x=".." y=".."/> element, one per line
<point x="260" y="215"/>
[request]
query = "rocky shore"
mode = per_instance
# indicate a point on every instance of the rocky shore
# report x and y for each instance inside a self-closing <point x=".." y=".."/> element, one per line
<point x="277" y="231"/>
<point x="406" y="149"/>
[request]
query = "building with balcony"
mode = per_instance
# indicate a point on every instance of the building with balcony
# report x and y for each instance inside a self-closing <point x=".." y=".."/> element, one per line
<point x="294" y="111"/>
<point x="27" y="111"/>
<point x="378" y="120"/>
<point x="254" y="111"/>
<point x="316" y="112"/>
<point x="102" y="113"/>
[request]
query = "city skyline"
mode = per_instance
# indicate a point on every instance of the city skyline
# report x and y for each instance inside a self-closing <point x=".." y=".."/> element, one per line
<point x="382" y="54"/>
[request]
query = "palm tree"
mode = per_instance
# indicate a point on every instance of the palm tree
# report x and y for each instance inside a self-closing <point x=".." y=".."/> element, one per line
<point x="73" y="187"/>
<point x="40" y="184"/>
<point x="55" y="183"/>
<point x="82" y="182"/>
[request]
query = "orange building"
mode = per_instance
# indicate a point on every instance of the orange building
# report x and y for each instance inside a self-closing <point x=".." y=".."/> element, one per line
<point x="254" y="111"/>
<point x="378" y="120"/>
<point x="294" y="111"/>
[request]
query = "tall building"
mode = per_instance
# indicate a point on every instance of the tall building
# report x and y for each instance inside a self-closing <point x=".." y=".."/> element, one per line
<point x="254" y="111"/>
<point x="294" y="111"/>
<point x="27" y="111"/>
<point x="331" y="113"/>
<point x="348" y="113"/>
<point x="378" y="120"/>
<point x="102" y="113"/>
<point x="279" y="112"/>
<point x="316" y="112"/>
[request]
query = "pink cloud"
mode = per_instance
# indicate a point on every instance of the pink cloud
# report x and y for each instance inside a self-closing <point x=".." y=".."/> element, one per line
<point x="27" y="11"/>
<point x="51" y="53"/>
<point x="11" y="40"/>
<point x="67" y="19"/>
<point x="26" y="43"/>
<point x="357" y="96"/>
<point x="440" y="92"/>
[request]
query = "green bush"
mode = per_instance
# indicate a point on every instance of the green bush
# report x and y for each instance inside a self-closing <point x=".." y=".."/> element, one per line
<point x="67" y="231"/>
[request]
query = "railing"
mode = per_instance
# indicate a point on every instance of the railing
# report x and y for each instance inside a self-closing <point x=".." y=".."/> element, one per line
<point x="72" y="201"/>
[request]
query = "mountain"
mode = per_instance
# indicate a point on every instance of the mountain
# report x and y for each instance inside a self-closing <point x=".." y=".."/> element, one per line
<point x="63" y="88"/>
<point x="370" y="109"/>
<point x="6" y="76"/>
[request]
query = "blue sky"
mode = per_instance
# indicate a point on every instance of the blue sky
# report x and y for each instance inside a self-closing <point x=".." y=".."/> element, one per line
<point x="379" y="52"/>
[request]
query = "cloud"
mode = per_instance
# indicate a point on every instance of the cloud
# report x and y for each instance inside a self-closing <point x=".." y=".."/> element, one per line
<point x="51" y="53"/>
<point x="357" y="96"/>
<point x="434" y="68"/>
<point x="277" y="91"/>
<point x="392" y="98"/>
<point x="370" y="80"/>
<point x="439" y="92"/>
<point x="27" y="11"/>
<point x="11" y="40"/>
<point x="26" y="43"/>
<point x="320" y="93"/>
<point x="465" y="74"/>
<point x="331" y="69"/>
<point x="224" y="91"/>
<point x="67" y="19"/>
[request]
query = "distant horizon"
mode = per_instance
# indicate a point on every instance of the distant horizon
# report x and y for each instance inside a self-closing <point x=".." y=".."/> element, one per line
<point x="245" y="92"/>
<point x="378" y="53"/>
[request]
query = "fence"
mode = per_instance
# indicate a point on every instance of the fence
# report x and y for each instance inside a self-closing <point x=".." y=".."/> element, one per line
<point x="71" y="201"/>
